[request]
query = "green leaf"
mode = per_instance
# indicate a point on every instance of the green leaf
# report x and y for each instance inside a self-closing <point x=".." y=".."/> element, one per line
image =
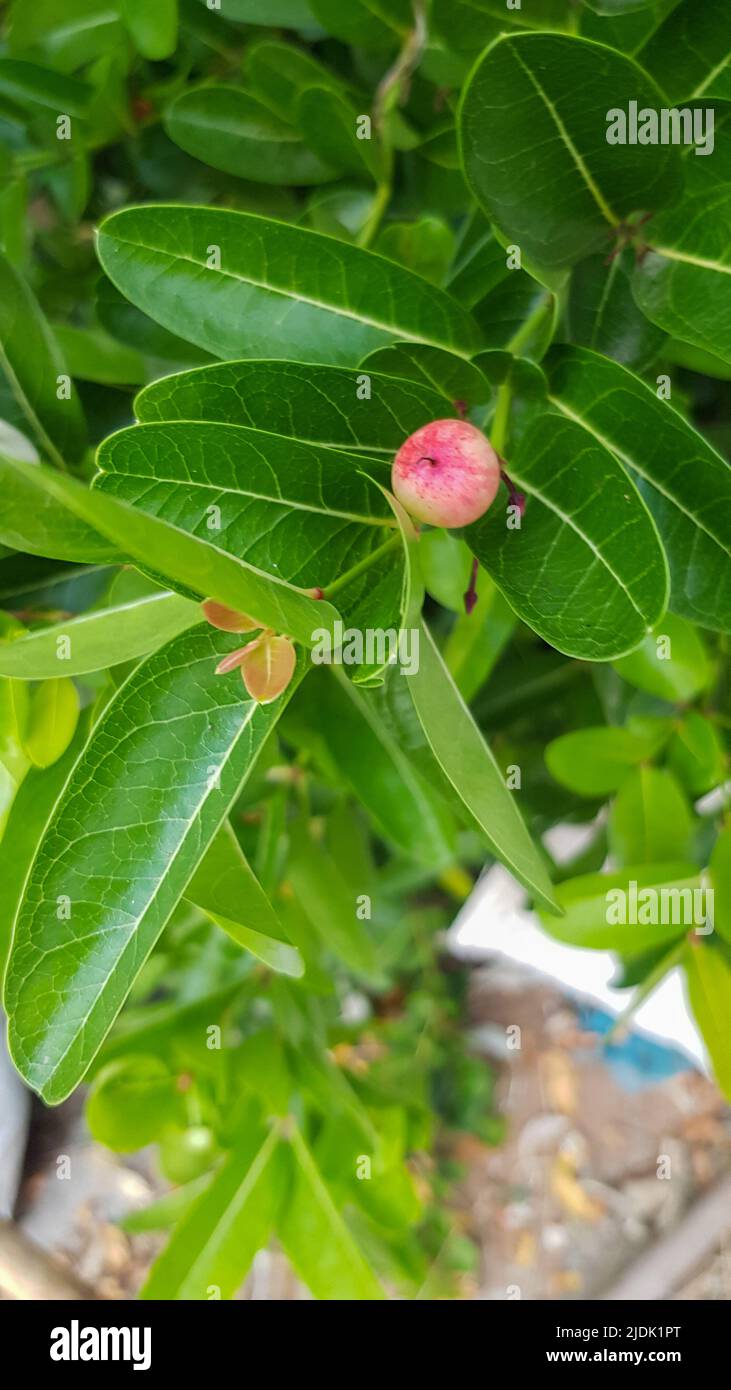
<point x="93" y="355"/>
<point x="35" y="520"/>
<point x="164" y="763"/>
<point x="709" y="989"/>
<point x="342" y="727"/>
<point x="27" y="82"/>
<point x="154" y="28"/>
<point x="683" y="283"/>
<point x="469" y="25"/>
<point x="279" y="73"/>
<point x="65" y="37"/>
<point x="478" y="638"/>
<point x="466" y="760"/>
<point x="212" y="1249"/>
<point x="305" y="514"/>
<point x="369" y="24"/>
<point x="32" y="364"/>
<point x="324" y="894"/>
<point x="317" y="1240"/>
<point x="720" y="873"/>
<point x="339" y="407"/>
<point x="685" y="483"/>
<point x="230" y="130"/>
<point x="426" y="246"/>
<point x="696" y="754"/>
<point x="517" y="101"/>
<point x="226" y="888"/>
<point x="585" y="568"/>
<point x="689" y="55"/>
<point x="53" y="714"/>
<point x="671" y="663"/>
<point x="595" y="762"/>
<point x="608" y="912"/>
<point x="130" y="1103"/>
<point x="30" y="811"/>
<point x="100" y="638"/>
<point x="602" y="314"/>
<point x="277" y="285"/>
<point x="650" y="820"/>
<point x="289" y="14"/>
<point x="329" y="123"/>
<point x="184" y="559"/>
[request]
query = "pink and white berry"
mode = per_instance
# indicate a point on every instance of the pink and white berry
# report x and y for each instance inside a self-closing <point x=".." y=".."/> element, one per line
<point x="446" y="473"/>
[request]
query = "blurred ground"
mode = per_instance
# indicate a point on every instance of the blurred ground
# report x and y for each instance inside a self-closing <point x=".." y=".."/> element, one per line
<point x="607" y="1153"/>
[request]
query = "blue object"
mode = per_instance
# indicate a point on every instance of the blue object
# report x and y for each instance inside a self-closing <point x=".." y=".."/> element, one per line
<point x="636" y="1062"/>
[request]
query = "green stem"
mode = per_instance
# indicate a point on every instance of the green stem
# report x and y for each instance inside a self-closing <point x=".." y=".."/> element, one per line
<point x="522" y="336"/>
<point x="375" y="217"/>
<point x="388" y="94"/>
<point x="362" y="566"/>
<point x="501" y="418"/>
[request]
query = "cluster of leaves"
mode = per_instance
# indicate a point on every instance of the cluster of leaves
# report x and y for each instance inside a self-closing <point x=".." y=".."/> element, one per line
<point x="243" y="876"/>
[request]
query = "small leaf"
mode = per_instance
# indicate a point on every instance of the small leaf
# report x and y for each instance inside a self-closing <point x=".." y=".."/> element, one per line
<point x="100" y="638"/>
<point x="226" y="619"/>
<point x="466" y="760"/>
<point x="316" y="1238"/>
<point x="230" y="130"/>
<point x="130" y="1103"/>
<point x="671" y="662"/>
<point x="623" y="911"/>
<point x="650" y="819"/>
<point x="154" y="28"/>
<point x="696" y="754"/>
<point x="595" y="762"/>
<point x="269" y="668"/>
<point x="217" y="1240"/>
<point x="709" y="988"/>
<point x="52" y="718"/>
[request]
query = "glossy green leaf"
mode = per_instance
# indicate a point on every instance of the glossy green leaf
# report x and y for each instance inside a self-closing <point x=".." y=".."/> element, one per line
<point x="27" y="82"/>
<point x="684" y="481"/>
<point x="624" y="911"/>
<point x="316" y="1238"/>
<point x="289" y="14"/>
<point x="650" y="820"/>
<point x="31" y="809"/>
<point x="277" y="285"/>
<point x="185" y="559"/>
<point x="212" y="1249"/>
<point x="371" y="24"/>
<point x="226" y="888"/>
<point x="154" y="28"/>
<point x="459" y="383"/>
<point x="671" y="662"/>
<point x="425" y="246"/>
<point x="14" y="762"/>
<point x="585" y="567"/>
<point x="32" y="364"/>
<point x="466" y="760"/>
<point x="683" y="283"/>
<point x="469" y="25"/>
<point x="279" y="73"/>
<point x="517" y="101"/>
<point x="478" y="639"/>
<point x="307" y="515"/>
<point x="131" y="1101"/>
<point x="67" y="36"/>
<point x="595" y="762"/>
<point x="230" y="130"/>
<point x="602" y="314"/>
<point x="329" y="123"/>
<point x="696" y="754"/>
<point x="709" y="989"/>
<point x="53" y="713"/>
<point x="343" y="408"/>
<point x="100" y="638"/>
<point x="689" y="54"/>
<point x="35" y="520"/>
<point x="152" y="787"/>
<point x="93" y="355"/>
<point x="720" y="875"/>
